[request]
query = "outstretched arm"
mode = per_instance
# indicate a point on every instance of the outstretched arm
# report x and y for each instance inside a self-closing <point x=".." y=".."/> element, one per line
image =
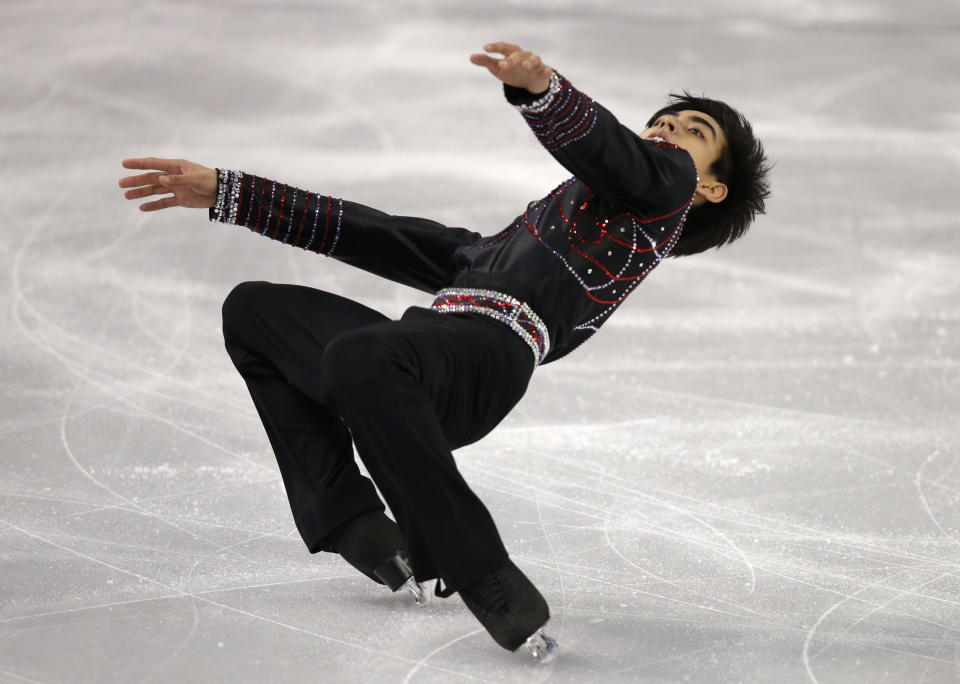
<point x="587" y="139"/>
<point x="408" y="250"/>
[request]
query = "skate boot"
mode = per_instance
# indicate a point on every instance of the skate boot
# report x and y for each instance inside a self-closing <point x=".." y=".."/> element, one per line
<point x="374" y="545"/>
<point x="512" y="610"/>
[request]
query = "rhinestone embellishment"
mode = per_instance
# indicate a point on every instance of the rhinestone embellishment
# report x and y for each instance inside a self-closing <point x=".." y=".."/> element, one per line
<point x="517" y="315"/>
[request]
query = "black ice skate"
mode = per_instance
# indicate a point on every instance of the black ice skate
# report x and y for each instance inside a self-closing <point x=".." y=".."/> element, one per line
<point x="512" y="610"/>
<point x="374" y="545"/>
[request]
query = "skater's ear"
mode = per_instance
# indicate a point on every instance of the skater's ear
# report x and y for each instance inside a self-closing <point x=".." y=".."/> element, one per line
<point x="713" y="191"/>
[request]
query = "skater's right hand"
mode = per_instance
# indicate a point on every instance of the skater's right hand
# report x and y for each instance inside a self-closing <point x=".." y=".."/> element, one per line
<point x="192" y="186"/>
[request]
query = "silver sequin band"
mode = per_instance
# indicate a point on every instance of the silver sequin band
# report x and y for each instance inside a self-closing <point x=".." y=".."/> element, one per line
<point x="543" y="104"/>
<point x="228" y="196"/>
<point x="517" y="315"/>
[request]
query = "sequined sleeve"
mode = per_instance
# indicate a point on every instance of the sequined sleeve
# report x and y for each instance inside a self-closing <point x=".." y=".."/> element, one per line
<point x="603" y="153"/>
<point x="411" y="251"/>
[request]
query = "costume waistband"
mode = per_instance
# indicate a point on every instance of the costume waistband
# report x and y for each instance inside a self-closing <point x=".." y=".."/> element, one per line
<point x="517" y="315"/>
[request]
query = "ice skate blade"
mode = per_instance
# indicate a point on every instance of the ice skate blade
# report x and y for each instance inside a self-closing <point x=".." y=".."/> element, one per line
<point x="416" y="591"/>
<point x="543" y="648"/>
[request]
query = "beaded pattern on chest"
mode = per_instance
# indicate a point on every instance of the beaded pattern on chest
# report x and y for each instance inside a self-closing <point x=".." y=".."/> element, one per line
<point x="608" y="254"/>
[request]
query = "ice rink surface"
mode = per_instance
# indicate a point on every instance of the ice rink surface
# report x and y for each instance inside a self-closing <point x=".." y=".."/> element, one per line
<point x="751" y="474"/>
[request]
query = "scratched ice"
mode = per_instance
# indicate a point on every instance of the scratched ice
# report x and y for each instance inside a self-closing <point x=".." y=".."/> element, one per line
<point x="750" y="475"/>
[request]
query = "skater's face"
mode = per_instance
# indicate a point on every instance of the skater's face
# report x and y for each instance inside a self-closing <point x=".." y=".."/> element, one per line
<point x="700" y="135"/>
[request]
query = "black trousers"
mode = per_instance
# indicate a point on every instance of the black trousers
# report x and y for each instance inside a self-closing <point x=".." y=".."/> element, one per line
<point x="326" y="374"/>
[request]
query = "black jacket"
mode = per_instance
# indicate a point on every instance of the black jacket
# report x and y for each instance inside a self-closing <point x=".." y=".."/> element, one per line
<point x="573" y="256"/>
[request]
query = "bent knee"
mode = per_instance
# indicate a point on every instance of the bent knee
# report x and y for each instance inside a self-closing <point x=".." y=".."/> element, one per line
<point x="239" y="304"/>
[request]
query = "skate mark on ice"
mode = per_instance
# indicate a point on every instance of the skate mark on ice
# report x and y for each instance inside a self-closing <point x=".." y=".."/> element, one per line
<point x="82" y="609"/>
<point x="774" y="526"/>
<point x="424" y="659"/>
<point x="192" y="572"/>
<point x="177" y="350"/>
<point x="83" y="471"/>
<point x="933" y="658"/>
<point x="207" y="523"/>
<point x="875" y="607"/>
<point x="629" y="492"/>
<point x="194" y="627"/>
<point x="593" y="579"/>
<point x="772" y="563"/>
<point x="198" y="596"/>
<point x="854" y="580"/>
<point x="21" y="303"/>
<point x="660" y="661"/>
<point x="918" y="482"/>
<point x="873" y="610"/>
<point x="17" y="679"/>
<point x="663" y="580"/>
<point x="512" y="491"/>
<point x="101" y="507"/>
<point x="205" y="557"/>
<point x="123" y="399"/>
<point x="553" y="554"/>
<point x="48" y="497"/>
<point x="769" y="526"/>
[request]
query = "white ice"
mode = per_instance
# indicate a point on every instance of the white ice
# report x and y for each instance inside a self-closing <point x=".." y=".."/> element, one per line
<point x="751" y="474"/>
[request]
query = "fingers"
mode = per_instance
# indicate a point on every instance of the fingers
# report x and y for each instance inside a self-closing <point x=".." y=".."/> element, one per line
<point x="513" y="58"/>
<point x="505" y="49"/>
<point x="142" y="179"/>
<point x="520" y="59"/>
<point x="145" y="191"/>
<point x="156" y="180"/>
<point x="484" y="61"/>
<point x="153" y="163"/>
<point x="163" y="203"/>
<point x="152" y="178"/>
<point x="517" y="67"/>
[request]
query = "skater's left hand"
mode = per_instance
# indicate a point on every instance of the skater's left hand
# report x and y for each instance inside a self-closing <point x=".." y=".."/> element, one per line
<point x="517" y="67"/>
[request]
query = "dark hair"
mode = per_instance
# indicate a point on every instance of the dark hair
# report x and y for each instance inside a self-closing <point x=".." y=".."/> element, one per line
<point x="742" y="166"/>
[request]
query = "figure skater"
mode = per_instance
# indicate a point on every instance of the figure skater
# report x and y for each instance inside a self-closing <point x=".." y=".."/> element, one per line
<point x="327" y="374"/>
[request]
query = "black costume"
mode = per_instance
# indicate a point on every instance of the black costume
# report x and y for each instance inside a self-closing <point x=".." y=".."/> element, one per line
<point x="323" y="370"/>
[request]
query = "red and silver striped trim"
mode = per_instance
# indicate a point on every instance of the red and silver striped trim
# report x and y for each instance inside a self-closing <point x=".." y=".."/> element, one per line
<point x="517" y="315"/>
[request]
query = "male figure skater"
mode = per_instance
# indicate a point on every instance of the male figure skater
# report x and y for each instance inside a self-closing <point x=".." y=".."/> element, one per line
<point x="327" y="374"/>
